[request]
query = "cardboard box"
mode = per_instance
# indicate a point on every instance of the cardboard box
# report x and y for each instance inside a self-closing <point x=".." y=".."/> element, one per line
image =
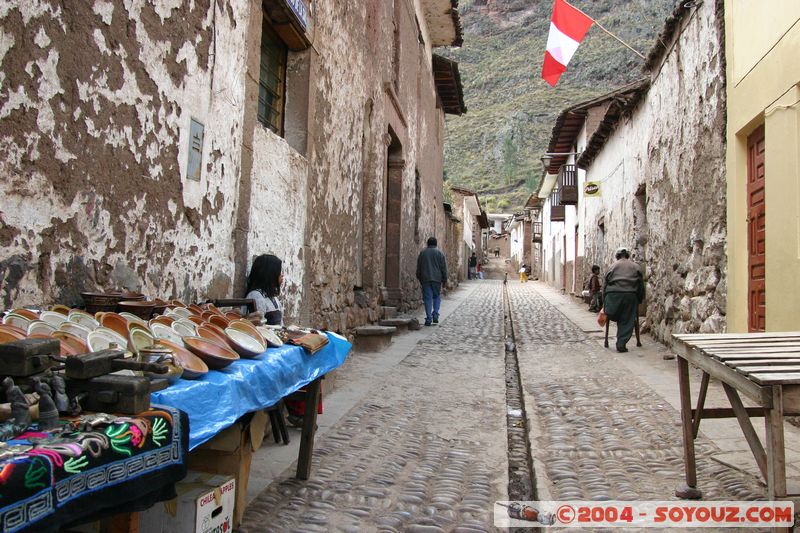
<point x="230" y="454"/>
<point x="205" y="503"/>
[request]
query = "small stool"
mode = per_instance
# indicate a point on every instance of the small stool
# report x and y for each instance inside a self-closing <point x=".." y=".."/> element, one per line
<point x="278" y="423"/>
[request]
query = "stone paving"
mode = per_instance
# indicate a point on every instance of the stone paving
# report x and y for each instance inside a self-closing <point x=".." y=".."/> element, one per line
<point x="597" y="431"/>
<point x="425" y="450"/>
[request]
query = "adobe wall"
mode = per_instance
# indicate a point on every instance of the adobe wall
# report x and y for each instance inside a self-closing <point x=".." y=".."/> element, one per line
<point x="97" y="98"/>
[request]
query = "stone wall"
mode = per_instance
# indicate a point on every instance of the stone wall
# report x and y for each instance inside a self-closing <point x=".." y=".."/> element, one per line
<point x="663" y="183"/>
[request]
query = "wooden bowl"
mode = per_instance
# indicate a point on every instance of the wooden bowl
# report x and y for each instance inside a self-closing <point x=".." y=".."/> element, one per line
<point x="100" y="301"/>
<point x="11" y="334"/>
<point x="250" y="329"/>
<point x="195" y="309"/>
<point x="27" y="313"/>
<point x="75" y="343"/>
<point x="209" y="333"/>
<point x="214" y="355"/>
<point x="61" y="309"/>
<point x="193" y="366"/>
<point x="160" y="307"/>
<point x="140" y="308"/>
<point x="219" y="321"/>
<point x="196" y="319"/>
<point x="162" y="319"/>
<point x="245" y="344"/>
<point x="116" y="322"/>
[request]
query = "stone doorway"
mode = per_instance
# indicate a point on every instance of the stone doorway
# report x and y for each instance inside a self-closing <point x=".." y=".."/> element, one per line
<point x="394" y="216"/>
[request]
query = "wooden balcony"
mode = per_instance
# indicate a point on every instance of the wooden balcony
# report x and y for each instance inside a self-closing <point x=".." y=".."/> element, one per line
<point x="558" y="212"/>
<point x="537" y="231"/>
<point x="568" y="184"/>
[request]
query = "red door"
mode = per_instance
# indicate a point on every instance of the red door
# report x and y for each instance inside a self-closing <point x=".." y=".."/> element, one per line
<point x="756" y="234"/>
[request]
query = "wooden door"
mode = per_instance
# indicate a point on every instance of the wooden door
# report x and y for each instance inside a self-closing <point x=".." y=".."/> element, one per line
<point x="756" y="234"/>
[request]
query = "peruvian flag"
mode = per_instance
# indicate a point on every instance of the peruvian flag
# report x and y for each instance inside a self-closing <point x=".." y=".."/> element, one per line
<point x="567" y="29"/>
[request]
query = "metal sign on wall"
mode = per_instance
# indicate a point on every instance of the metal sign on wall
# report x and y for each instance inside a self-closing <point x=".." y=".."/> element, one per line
<point x="300" y="11"/>
<point x="591" y="188"/>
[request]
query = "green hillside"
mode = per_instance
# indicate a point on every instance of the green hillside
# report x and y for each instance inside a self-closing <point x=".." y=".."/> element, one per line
<point x="495" y="148"/>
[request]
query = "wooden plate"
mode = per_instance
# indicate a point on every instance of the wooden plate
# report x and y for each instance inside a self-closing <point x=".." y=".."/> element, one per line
<point x="214" y="355"/>
<point x="193" y="366"/>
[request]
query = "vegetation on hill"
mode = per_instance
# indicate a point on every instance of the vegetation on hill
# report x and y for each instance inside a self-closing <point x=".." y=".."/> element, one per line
<point x="495" y="148"/>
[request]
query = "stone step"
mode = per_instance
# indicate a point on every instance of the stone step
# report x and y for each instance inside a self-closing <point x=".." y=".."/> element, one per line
<point x="402" y="323"/>
<point x="388" y="311"/>
<point x="373" y="338"/>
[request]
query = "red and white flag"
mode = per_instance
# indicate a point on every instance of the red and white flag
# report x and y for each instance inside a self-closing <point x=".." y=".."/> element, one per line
<point x="567" y="29"/>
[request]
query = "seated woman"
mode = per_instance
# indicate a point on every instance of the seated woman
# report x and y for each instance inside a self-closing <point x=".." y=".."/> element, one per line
<point x="264" y="285"/>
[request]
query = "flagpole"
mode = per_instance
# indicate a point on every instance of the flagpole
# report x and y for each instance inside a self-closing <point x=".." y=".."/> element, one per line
<point x="629" y="47"/>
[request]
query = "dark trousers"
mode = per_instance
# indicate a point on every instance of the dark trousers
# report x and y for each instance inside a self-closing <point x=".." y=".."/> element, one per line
<point x="597" y="302"/>
<point x="620" y="307"/>
<point x="431" y="296"/>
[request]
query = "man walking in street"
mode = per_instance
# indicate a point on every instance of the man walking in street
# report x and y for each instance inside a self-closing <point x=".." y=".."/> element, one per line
<point x="622" y="294"/>
<point x="431" y="273"/>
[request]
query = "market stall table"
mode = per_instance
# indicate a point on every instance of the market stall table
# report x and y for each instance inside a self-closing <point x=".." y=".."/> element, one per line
<point x="220" y="398"/>
<point x="765" y="367"/>
<point x="91" y="466"/>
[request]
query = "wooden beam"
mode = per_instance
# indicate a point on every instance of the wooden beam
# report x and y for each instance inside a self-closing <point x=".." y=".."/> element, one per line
<point x="747" y="428"/>
<point x="720" y="371"/>
<point x="689" y="464"/>
<point x="776" y="452"/>
<point x="698" y="414"/>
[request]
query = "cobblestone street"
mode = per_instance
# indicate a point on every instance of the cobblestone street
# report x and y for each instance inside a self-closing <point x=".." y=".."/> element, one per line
<point x="426" y="446"/>
<point x="424" y="450"/>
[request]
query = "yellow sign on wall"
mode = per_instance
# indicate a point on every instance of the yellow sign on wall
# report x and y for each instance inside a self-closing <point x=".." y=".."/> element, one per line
<point x="591" y="188"/>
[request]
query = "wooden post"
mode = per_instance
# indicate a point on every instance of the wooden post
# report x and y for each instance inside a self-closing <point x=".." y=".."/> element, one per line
<point x="747" y="428"/>
<point x="701" y="402"/>
<point x="309" y="429"/>
<point x="690" y="490"/>
<point x="776" y="453"/>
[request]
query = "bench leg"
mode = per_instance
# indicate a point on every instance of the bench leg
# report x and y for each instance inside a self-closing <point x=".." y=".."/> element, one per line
<point x="776" y="453"/>
<point x="309" y="429"/>
<point x="689" y="491"/>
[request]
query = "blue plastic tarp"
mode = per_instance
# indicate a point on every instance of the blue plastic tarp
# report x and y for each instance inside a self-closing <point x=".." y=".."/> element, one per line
<point x="219" y="398"/>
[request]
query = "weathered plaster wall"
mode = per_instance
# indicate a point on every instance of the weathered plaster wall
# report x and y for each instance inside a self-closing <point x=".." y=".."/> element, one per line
<point x="95" y="104"/>
<point x="278" y="211"/>
<point x="357" y="102"/>
<point x="672" y="150"/>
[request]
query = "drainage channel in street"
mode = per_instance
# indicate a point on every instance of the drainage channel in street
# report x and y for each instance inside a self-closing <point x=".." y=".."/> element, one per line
<point x="521" y="482"/>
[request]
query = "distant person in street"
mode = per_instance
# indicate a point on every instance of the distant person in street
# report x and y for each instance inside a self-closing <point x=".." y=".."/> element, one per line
<point x="595" y="290"/>
<point x="623" y="291"/>
<point x="264" y="285"/>
<point x="473" y="266"/>
<point x="523" y="273"/>
<point x="497" y="252"/>
<point x="431" y="273"/>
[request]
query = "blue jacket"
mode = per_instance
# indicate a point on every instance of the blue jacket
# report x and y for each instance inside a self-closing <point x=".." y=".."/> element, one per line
<point x="431" y="265"/>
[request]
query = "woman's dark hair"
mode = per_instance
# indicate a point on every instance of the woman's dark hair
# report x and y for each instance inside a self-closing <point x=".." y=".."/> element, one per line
<point x="264" y="275"/>
<point x="596" y="269"/>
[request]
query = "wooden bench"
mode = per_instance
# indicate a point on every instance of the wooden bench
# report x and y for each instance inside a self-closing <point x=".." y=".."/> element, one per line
<point x="765" y="367"/>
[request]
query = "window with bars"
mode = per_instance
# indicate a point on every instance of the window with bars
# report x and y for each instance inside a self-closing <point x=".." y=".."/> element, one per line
<point x="272" y="79"/>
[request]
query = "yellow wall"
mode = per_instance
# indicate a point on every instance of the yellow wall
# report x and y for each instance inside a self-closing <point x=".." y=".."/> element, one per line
<point x="763" y="76"/>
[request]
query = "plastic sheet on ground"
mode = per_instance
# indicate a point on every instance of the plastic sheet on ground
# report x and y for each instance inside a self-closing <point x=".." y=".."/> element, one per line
<point x="217" y="400"/>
